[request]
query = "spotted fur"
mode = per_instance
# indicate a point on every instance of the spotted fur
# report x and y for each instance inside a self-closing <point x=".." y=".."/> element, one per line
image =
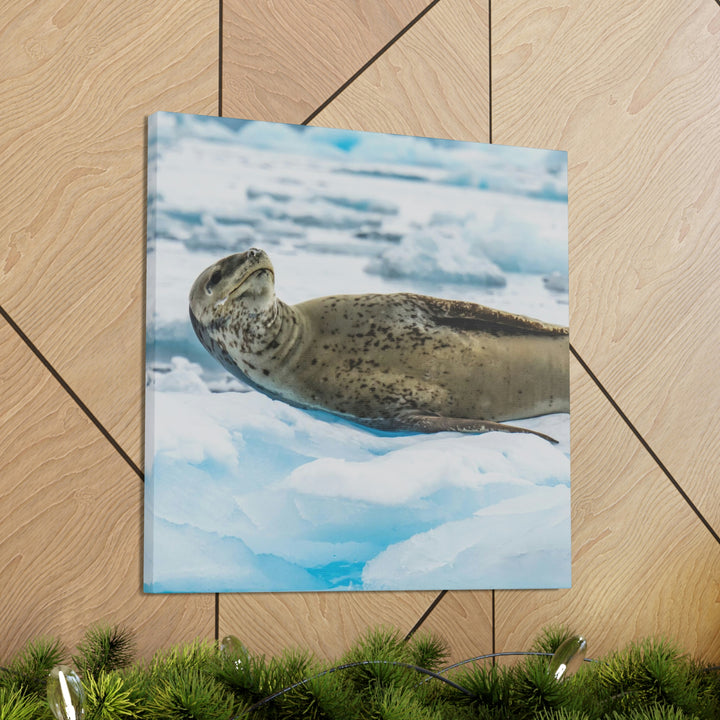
<point x="400" y="362"/>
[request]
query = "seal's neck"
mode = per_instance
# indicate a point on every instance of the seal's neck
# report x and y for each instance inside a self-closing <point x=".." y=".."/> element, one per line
<point x="272" y="333"/>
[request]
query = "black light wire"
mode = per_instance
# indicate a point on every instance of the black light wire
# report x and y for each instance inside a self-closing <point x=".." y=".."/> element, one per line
<point x="424" y="671"/>
<point x="360" y="663"/>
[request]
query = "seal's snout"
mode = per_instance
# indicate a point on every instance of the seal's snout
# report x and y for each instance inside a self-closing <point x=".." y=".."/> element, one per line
<point x="254" y="257"/>
<point x="243" y="261"/>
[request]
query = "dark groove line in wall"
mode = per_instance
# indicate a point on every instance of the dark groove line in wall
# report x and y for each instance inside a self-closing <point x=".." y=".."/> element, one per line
<point x="72" y="393"/>
<point x="490" y="76"/>
<point x="493" y="625"/>
<point x="380" y="52"/>
<point x="426" y="614"/>
<point x="217" y="617"/>
<point x="490" y="139"/>
<point x="220" y="59"/>
<point x="646" y="445"/>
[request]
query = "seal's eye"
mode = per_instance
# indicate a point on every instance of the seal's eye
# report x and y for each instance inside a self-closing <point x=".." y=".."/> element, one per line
<point x="214" y="280"/>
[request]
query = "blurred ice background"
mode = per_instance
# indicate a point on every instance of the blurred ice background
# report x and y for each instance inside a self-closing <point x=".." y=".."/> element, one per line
<point x="244" y="493"/>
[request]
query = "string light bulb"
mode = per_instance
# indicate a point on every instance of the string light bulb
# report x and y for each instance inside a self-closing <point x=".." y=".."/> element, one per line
<point x="65" y="693"/>
<point x="568" y="657"/>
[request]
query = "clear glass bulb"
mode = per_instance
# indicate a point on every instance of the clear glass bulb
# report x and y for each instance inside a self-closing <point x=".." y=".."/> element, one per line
<point x="568" y="657"/>
<point x="65" y="693"/>
<point x="236" y="652"/>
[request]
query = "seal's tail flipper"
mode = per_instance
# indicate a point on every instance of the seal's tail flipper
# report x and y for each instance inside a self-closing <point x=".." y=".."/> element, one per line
<point x="436" y="423"/>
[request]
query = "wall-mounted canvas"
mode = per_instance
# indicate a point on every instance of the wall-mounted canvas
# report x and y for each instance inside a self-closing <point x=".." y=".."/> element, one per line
<point x="357" y="361"/>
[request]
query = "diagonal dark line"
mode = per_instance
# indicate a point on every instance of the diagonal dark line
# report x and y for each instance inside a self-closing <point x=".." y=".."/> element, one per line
<point x="72" y="393"/>
<point x="645" y="444"/>
<point x="425" y="615"/>
<point x="382" y="50"/>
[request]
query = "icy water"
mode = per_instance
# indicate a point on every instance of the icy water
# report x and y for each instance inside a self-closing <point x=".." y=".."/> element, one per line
<point x="245" y="493"/>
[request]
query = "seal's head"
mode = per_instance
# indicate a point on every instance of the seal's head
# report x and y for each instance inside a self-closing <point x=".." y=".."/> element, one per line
<point x="231" y="304"/>
<point x="243" y="282"/>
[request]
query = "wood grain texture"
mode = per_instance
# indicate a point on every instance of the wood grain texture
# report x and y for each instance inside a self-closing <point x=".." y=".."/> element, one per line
<point x="630" y="89"/>
<point x="281" y="60"/>
<point x="463" y="619"/>
<point x="324" y="623"/>
<point x="433" y="82"/>
<point x="78" y="80"/>
<point x="70" y="509"/>
<point x="642" y="563"/>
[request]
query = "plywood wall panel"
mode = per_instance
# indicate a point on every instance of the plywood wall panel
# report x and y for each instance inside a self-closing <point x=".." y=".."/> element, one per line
<point x="325" y="623"/>
<point x="282" y="60"/>
<point x="78" y="81"/>
<point x="642" y="563"/>
<point x="433" y="81"/>
<point x="630" y="90"/>
<point x="71" y="518"/>
<point x="464" y="620"/>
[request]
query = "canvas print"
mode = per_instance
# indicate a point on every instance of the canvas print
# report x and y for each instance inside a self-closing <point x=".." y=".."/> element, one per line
<point x="357" y="361"/>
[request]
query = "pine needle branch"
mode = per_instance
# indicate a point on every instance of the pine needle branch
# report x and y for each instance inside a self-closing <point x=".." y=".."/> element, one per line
<point x="103" y="649"/>
<point x="29" y="669"/>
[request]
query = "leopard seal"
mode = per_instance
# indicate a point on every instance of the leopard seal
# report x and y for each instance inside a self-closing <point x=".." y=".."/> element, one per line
<point x="396" y="362"/>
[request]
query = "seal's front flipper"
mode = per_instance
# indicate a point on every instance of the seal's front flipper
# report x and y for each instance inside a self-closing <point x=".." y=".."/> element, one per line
<point x="436" y="423"/>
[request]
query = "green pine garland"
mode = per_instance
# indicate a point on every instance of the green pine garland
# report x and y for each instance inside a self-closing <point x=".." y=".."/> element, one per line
<point x="382" y="677"/>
